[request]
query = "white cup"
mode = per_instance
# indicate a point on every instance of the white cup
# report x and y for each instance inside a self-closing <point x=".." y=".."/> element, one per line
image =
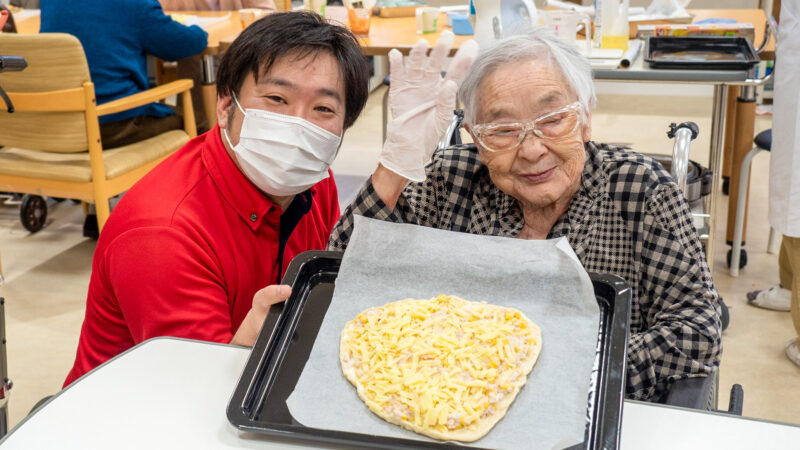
<point x="565" y="24"/>
<point x="336" y="15"/>
<point x="427" y="19"/>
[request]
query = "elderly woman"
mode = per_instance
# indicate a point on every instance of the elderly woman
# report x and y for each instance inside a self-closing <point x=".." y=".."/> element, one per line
<point x="534" y="173"/>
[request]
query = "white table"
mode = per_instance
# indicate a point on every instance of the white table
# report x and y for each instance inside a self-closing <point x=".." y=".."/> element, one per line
<point x="173" y="393"/>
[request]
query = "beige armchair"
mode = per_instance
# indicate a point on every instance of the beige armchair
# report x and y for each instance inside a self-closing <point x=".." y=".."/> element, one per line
<point x="51" y="143"/>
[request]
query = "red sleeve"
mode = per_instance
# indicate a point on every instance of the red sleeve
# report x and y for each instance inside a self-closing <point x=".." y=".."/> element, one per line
<point x="168" y="285"/>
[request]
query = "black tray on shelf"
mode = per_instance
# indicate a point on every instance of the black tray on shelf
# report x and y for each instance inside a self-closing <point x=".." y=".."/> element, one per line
<point x="700" y="53"/>
<point x="284" y="344"/>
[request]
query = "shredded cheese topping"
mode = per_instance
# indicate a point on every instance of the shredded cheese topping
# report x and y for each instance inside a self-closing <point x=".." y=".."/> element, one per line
<point x="440" y="364"/>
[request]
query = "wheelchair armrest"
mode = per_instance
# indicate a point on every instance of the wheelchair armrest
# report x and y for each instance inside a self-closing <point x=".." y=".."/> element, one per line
<point x="145" y="97"/>
<point x="692" y="393"/>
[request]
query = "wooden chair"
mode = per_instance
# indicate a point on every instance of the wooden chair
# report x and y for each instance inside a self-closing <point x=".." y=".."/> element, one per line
<point x="51" y="143"/>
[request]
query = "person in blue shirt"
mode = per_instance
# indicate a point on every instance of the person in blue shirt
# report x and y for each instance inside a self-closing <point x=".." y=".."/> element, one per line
<point x="116" y="37"/>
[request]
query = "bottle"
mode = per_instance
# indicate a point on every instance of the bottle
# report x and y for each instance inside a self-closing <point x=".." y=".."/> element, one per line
<point x="614" y="24"/>
<point x="318" y="6"/>
<point x="471" y="16"/>
<point x="597" y="20"/>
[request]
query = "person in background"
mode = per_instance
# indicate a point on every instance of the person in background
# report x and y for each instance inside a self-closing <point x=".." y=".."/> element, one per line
<point x="197" y="247"/>
<point x="192" y="66"/>
<point x="784" y="175"/>
<point x="117" y="37"/>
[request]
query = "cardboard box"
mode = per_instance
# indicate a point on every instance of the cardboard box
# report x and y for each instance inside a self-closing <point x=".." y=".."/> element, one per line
<point x="738" y="29"/>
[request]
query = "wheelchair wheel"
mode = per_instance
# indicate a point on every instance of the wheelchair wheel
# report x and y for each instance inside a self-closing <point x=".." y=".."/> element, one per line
<point x="725" y="318"/>
<point x="742" y="258"/>
<point x="33" y="213"/>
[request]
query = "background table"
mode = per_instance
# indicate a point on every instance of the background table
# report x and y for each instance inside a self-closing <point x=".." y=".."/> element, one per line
<point x="173" y="393"/>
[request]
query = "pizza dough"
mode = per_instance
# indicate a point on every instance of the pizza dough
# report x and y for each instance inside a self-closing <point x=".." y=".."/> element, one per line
<point x="445" y="367"/>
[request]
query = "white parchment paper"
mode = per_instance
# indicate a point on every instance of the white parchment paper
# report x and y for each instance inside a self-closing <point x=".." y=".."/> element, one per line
<point x="385" y="262"/>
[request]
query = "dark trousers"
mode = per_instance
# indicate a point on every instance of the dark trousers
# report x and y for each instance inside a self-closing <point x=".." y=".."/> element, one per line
<point x="192" y="68"/>
<point x="135" y="129"/>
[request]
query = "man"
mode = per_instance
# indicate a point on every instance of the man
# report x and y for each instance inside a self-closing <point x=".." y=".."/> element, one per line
<point x="116" y="37"/>
<point x="190" y="248"/>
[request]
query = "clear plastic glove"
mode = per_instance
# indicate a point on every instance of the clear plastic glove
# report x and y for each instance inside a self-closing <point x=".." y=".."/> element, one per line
<point x="422" y="103"/>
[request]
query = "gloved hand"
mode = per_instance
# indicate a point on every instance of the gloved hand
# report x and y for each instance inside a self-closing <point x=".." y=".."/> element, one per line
<point x="422" y="103"/>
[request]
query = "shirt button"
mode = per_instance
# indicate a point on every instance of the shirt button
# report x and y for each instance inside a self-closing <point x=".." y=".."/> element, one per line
<point x="253" y="217"/>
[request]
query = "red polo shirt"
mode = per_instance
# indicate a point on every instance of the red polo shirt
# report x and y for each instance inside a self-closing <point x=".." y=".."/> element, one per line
<point x="185" y="250"/>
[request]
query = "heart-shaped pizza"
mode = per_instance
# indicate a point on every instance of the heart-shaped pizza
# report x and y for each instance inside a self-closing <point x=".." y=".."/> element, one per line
<point x="446" y="367"/>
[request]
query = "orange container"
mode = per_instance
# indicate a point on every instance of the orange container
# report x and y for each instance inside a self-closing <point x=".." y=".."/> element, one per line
<point x="359" y="20"/>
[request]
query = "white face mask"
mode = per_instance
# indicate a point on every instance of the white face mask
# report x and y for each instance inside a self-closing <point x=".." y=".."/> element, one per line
<point x="282" y="155"/>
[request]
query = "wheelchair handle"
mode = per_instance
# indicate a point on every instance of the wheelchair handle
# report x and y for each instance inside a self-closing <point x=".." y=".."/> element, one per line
<point x="449" y="135"/>
<point x="683" y="134"/>
<point x="10" y="64"/>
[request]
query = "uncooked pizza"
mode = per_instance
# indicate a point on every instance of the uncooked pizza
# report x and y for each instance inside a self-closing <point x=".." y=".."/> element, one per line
<point x="446" y="367"/>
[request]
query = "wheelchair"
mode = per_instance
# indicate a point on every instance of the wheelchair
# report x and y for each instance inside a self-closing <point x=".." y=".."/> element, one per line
<point x="33" y="208"/>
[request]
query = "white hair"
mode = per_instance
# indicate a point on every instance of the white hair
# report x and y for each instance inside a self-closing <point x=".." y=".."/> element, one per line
<point x="537" y="44"/>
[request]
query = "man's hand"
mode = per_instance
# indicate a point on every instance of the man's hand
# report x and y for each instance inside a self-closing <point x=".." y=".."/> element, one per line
<point x="422" y="104"/>
<point x="262" y="300"/>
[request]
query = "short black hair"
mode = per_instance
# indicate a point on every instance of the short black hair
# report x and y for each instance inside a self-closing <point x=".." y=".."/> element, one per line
<point x="299" y="33"/>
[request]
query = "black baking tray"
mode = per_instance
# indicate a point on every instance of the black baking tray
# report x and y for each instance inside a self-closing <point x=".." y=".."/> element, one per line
<point x="284" y="344"/>
<point x="700" y="53"/>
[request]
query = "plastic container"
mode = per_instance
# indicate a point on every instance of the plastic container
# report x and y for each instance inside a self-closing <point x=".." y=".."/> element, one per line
<point x="359" y="19"/>
<point x="611" y="24"/>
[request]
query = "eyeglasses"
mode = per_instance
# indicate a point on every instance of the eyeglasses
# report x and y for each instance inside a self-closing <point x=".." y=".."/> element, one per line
<point x="501" y="137"/>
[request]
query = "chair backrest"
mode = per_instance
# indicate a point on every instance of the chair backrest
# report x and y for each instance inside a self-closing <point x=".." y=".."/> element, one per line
<point x="55" y="62"/>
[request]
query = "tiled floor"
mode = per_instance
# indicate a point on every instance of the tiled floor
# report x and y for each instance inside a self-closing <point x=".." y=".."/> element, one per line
<point x="47" y="273"/>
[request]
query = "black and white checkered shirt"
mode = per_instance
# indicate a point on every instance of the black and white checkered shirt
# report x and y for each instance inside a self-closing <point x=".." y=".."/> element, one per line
<point x="628" y="218"/>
